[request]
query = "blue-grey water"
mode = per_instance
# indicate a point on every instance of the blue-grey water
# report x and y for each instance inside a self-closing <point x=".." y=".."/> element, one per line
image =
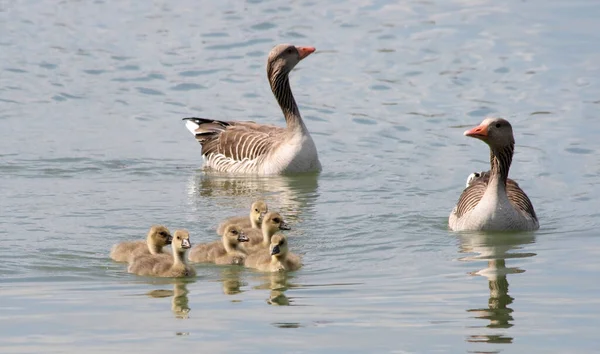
<point x="93" y="152"/>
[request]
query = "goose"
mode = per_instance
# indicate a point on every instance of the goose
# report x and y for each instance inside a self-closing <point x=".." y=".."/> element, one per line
<point x="257" y="211"/>
<point x="276" y="259"/>
<point x="261" y="238"/>
<point x="158" y="237"/>
<point x="162" y="265"/>
<point x="229" y="245"/>
<point x="250" y="148"/>
<point x="493" y="201"/>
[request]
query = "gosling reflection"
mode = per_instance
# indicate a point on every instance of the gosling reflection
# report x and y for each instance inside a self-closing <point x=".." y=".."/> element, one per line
<point x="278" y="283"/>
<point x="179" y="298"/>
<point x="231" y="279"/>
<point x="495" y="248"/>
<point x="286" y="194"/>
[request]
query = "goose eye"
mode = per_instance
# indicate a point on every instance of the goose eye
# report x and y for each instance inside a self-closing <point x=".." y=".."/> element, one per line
<point x="497" y="125"/>
<point x="289" y="51"/>
<point x="276" y="220"/>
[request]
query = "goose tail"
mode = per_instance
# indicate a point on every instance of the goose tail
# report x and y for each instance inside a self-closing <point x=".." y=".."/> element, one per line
<point x="202" y="128"/>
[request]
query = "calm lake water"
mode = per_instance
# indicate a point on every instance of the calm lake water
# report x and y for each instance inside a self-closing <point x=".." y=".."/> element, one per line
<point x="93" y="152"/>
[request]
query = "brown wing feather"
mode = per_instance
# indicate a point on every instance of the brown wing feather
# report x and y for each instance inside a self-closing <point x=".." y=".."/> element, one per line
<point x="235" y="140"/>
<point x="471" y="196"/>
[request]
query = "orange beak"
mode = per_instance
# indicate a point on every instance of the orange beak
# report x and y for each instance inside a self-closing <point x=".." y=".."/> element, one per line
<point x="480" y="131"/>
<point x="305" y="51"/>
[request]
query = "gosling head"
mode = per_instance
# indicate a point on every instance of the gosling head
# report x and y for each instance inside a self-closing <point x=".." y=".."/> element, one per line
<point x="181" y="240"/>
<point x="284" y="57"/>
<point x="233" y="235"/>
<point x="159" y="236"/>
<point x="257" y="212"/>
<point x="475" y="176"/>
<point x="278" y="247"/>
<point x="274" y="222"/>
<point x="496" y="132"/>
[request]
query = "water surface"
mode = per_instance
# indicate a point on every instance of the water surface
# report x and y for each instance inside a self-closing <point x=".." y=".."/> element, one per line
<point x="93" y="152"/>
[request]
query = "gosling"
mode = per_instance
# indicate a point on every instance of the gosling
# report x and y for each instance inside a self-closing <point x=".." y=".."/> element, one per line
<point x="261" y="239"/>
<point x="257" y="211"/>
<point x="475" y="176"/>
<point x="158" y="237"/>
<point x="277" y="259"/>
<point x="229" y="245"/>
<point x="161" y="265"/>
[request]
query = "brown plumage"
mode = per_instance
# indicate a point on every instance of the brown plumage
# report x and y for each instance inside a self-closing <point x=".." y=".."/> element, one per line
<point x="474" y="192"/>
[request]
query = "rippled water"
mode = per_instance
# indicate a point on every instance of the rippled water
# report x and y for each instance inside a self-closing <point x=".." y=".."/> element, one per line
<point x="93" y="152"/>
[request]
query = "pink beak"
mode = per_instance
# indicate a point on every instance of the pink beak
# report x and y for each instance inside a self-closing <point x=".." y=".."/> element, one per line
<point x="305" y="51"/>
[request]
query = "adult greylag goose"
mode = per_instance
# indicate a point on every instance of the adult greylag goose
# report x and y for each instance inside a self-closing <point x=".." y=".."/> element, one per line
<point x="251" y="148"/>
<point x="162" y="265"/>
<point x="493" y="201"/>
<point x="158" y="237"/>
<point x="258" y="209"/>
<point x="276" y="259"/>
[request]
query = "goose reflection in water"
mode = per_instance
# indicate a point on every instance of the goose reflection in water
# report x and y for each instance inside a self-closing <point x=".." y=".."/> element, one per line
<point x="179" y="298"/>
<point x="495" y="249"/>
<point x="230" y="277"/>
<point x="291" y="196"/>
<point x="278" y="283"/>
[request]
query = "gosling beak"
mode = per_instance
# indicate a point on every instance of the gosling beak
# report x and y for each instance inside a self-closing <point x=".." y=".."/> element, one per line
<point x="275" y="250"/>
<point x="242" y="237"/>
<point x="480" y="131"/>
<point x="169" y="240"/>
<point x="305" y="51"/>
<point x="185" y="243"/>
<point x="284" y="226"/>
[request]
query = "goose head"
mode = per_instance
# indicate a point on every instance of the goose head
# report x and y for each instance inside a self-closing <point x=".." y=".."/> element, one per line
<point x="159" y="236"/>
<point x="279" y="246"/>
<point x="274" y="222"/>
<point x="181" y="240"/>
<point x="496" y="132"/>
<point x="232" y="236"/>
<point x="284" y="57"/>
<point x="257" y="211"/>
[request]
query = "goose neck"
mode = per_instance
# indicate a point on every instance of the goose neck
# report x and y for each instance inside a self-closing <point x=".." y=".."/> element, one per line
<point x="154" y="248"/>
<point x="280" y="85"/>
<point x="178" y="256"/>
<point x="500" y="160"/>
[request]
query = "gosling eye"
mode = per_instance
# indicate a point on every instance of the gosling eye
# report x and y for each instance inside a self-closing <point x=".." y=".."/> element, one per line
<point x="256" y="210"/>
<point x="277" y="220"/>
<point x="178" y="237"/>
<point x="234" y="232"/>
<point x="281" y="243"/>
<point x="497" y="125"/>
